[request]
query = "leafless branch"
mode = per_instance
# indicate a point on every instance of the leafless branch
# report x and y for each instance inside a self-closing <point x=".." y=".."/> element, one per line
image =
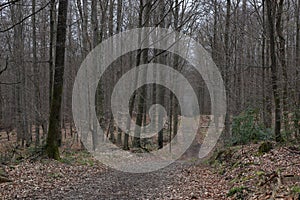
<point x="24" y="19"/>
<point x="5" y="5"/>
<point x="16" y="83"/>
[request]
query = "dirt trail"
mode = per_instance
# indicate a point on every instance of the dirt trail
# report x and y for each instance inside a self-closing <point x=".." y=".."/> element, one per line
<point x="114" y="184"/>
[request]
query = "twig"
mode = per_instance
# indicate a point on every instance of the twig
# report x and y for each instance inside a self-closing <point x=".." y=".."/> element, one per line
<point x="292" y="151"/>
<point x="272" y="176"/>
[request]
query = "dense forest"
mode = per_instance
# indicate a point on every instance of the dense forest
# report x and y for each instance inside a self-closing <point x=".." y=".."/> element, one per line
<point x="255" y="45"/>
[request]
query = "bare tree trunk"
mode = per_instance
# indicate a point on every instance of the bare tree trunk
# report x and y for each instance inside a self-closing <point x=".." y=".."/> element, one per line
<point x="176" y="67"/>
<point x="159" y="90"/>
<point x="86" y="40"/>
<point x="263" y="60"/>
<point x="82" y="9"/>
<point x="281" y="48"/>
<point x="131" y="104"/>
<point x="36" y="75"/>
<point x="103" y="23"/>
<point x="271" y="11"/>
<point x="226" y="70"/>
<point x="18" y="51"/>
<point x="120" y="71"/>
<point x="139" y="116"/>
<point x="111" y="17"/>
<point x="94" y="20"/>
<point x="297" y="110"/>
<point x="240" y="75"/>
<point x="55" y="113"/>
<point x="51" y="67"/>
<point x="112" y="73"/>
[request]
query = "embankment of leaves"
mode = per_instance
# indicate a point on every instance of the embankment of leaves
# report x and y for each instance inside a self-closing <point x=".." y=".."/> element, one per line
<point x="242" y="172"/>
<point x="260" y="171"/>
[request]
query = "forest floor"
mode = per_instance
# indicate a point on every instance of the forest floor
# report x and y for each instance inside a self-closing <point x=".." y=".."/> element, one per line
<point x="238" y="172"/>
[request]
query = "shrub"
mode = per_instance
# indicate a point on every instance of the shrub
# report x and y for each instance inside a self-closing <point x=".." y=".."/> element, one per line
<point x="238" y="191"/>
<point x="247" y="128"/>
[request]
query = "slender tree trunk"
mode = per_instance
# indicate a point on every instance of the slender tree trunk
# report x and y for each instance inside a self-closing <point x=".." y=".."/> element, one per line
<point x="85" y="35"/>
<point x="176" y="67"/>
<point x="94" y="23"/>
<point x="55" y="113"/>
<point x="95" y="28"/>
<point x="226" y="70"/>
<point x="263" y="61"/>
<point x="297" y="110"/>
<point x="111" y="17"/>
<point x="112" y="74"/>
<point x="36" y="75"/>
<point x="131" y="107"/>
<point x="51" y="67"/>
<point x="159" y="90"/>
<point x="120" y="70"/>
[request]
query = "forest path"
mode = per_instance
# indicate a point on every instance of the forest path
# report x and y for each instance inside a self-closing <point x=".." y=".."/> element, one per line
<point x="113" y="184"/>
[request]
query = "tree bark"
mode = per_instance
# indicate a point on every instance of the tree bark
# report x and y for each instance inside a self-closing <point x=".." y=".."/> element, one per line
<point x="162" y="60"/>
<point x="36" y="75"/>
<point x="297" y="110"/>
<point x="51" y="67"/>
<point x="139" y="116"/>
<point x="55" y="113"/>
<point x="271" y="10"/>
<point x="281" y="48"/>
<point x="94" y="21"/>
<point x="226" y="69"/>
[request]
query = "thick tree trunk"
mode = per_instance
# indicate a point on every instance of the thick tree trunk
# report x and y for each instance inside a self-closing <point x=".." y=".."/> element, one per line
<point x="55" y="113"/>
<point x="141" y="113"/>
<point x="271" y="10"/>
<point x="18" y="52"/>
<point x="281" y="48"/>
<point x="139" y="116"/>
